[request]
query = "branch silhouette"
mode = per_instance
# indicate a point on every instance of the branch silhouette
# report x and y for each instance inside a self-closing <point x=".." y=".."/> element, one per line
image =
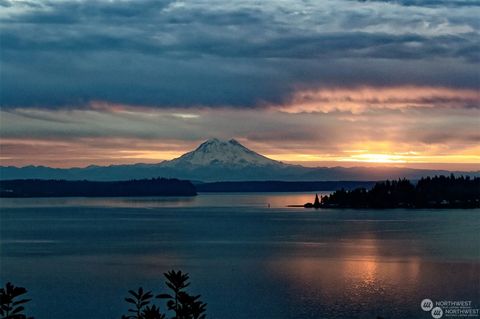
<point x="179" y="302"/>
<point x="10" y="306"/>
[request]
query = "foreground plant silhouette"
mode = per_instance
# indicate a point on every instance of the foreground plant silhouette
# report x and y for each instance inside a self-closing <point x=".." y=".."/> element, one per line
<point x="182" y="304"/>
<point x="10" y="307"/>
<point x="140" y="310"/>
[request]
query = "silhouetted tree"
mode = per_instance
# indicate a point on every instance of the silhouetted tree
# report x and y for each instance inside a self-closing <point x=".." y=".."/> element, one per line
<point x="139" y="300"/>
<point x="10" y="306"/>
<point x="316" y="203"/>
<point x="152" y="312"/>
<point x="182" y="304"/>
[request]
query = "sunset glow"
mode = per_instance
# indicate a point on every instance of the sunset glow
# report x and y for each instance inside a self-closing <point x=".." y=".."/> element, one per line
<point x="126" y="135"/>
<point x="362" y="99"/>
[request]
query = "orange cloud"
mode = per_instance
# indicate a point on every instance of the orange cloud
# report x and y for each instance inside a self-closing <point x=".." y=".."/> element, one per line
<point x="361" y="99"/>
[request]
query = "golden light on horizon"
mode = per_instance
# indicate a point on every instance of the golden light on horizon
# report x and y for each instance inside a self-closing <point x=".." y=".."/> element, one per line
<point x="376" y="158"/>
<point x="149" y="154"/>
<point x="389" y="158"/>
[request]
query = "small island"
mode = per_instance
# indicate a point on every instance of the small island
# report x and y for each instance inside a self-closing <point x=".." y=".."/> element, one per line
<point x="429" y="192"/>
<point x="64" y="188"/>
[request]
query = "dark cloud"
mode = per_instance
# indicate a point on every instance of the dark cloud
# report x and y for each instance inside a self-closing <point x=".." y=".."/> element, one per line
<point x="166" y="53"/>
<point x="429" y="3"/>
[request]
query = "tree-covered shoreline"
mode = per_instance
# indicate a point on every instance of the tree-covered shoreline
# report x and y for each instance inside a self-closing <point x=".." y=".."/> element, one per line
<point x="64" y="188"/>
<point x="428" y="192"/>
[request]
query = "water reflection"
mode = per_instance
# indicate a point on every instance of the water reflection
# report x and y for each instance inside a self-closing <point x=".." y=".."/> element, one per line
<point x="365" y="282"/>
<point x="120" y="202"/>
<point x="358" y="269"/>
<point x="274" y="200"/>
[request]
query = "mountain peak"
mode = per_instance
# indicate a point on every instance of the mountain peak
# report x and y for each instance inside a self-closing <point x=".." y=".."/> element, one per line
<point x="215" y="140"/>
<point x="229" y="153"/>
<point x="234" y="142"/>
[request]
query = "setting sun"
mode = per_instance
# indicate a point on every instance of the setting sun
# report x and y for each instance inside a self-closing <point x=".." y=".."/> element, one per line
<point x="376" y="158"/>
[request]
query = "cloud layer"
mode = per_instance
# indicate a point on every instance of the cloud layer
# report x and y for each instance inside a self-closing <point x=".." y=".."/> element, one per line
<point x="238" y="54"/>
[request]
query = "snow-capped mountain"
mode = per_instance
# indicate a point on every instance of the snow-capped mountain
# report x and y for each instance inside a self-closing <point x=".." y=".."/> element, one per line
<point x="221" y="153"/>
<point x="217" y="160"/>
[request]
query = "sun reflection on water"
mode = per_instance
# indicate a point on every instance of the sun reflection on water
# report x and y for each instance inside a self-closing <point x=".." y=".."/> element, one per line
<point x="359" y="273"/>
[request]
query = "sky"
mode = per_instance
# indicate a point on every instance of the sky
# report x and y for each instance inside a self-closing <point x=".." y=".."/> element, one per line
<point x="321" y="83"/>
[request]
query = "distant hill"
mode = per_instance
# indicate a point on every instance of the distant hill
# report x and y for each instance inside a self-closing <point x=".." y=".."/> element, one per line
<point x="217" y="160"/>
<point x="63" y="188"/>
<point x="279" y="186"/>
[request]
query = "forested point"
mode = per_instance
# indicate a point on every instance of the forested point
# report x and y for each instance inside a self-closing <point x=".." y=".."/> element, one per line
<point x="63" y="188"/>
<point x="428" y="192"/>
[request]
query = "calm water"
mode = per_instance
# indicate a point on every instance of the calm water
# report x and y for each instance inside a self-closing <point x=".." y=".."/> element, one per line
<point x="78" y="257"/>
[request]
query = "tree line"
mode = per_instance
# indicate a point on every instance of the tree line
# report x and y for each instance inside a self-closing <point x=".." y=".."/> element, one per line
<point x="429" y="192"/>
<point x="64" y="188"/>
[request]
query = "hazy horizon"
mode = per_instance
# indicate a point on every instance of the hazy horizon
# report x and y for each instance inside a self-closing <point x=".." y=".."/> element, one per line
<point x="306" y="163"/>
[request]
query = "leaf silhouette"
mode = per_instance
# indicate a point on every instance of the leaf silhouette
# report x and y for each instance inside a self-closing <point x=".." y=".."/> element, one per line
<point x="9" y="307"/>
